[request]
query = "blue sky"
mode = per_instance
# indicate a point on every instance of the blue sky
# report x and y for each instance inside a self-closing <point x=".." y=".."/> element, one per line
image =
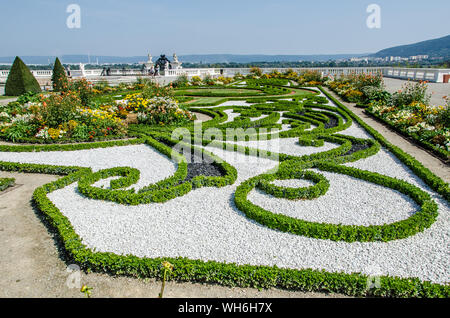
<point x="134" y="27"/>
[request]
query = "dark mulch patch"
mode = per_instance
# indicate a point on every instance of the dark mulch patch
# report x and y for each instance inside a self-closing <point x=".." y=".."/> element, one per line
<point x="355" y="148"/>
<point x="333" y="122"/>
<point x="197" y="167"/>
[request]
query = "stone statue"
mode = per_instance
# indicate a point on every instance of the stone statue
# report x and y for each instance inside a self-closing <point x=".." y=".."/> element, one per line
<point x="83" y="72"/>
<point x="163" y="63"/>
<point x="175" y="63"/>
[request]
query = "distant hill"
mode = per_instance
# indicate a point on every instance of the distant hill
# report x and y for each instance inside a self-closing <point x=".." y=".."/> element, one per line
<point x="194" y="58"/>
<point x="248" y="58"/>
<point x="434" y="48"/>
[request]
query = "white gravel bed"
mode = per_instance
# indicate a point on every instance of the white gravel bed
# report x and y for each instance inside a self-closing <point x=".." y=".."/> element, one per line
<point x="198" y="226"/>
<point x="231" y="103"/>
<point x="313" y="88"/>
<point x="348" y="201"/>
<point x="285" y="127"/>
<point x="231" y="115"/>
<point x="385" y="163"/>
<point x="153" y="165"/>
<point x="293" y="183"/>
<point x="355" y="130"/>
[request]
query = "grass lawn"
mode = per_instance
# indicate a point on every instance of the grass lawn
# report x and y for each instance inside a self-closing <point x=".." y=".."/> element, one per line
<point x="219" y="92"/>
<point x="215" y="100"/>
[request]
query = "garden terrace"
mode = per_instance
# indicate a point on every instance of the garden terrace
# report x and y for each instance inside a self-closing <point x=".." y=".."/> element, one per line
<point x="305" y="196"/>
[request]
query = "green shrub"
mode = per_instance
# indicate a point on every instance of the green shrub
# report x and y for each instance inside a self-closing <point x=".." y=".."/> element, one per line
<point x="6" y="183"/>
<point x="375" y="94"/>
<point x="81" y="132"/>
<point x="27" y="97"/>
<point x="255" y="71"/>
<point x="181" y="81"/>
<point x="83" y="88"/>
<point x="19" y="130"/>
<point x="59" y="78"/>
<point x="411" y="92"/>
<point x="57" y="109"/>
<point x="20" y="80"/>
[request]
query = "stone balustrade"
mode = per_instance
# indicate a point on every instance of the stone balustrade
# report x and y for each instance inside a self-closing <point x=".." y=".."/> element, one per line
<point x="425" y="74"/>
<point x="422" y="74"/>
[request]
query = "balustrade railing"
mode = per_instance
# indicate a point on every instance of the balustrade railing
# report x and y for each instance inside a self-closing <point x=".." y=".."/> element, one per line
<point x="428" y="74"/>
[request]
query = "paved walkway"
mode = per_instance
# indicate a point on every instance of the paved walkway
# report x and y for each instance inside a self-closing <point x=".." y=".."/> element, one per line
<point x="4" y="101"/>
<point x="431" y="162"/>
<point x="202" y="117"/>
<point x="437" y="90"/>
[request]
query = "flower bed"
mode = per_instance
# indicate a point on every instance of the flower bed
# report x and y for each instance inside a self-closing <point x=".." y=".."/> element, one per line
<point x="59" y="117"/>
<point x="407" y="111"/>
<point x="74" y="115"/>
<point x="157" y="110"/>
<point x="427" y="125"/>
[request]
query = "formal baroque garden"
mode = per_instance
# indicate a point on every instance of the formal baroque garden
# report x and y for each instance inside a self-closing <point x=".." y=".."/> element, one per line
<point x="279" y="185"/>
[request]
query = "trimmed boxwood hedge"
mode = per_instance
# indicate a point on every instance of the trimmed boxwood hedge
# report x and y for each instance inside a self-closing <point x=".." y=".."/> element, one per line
<point x="338" y="232"/>
<point x="61" y="141"/>
<point x="20" y="80"/>
<point x="319" y="188"/>
<point x="59" y="78"/>
<point x="305" y="141"/>
<point x="70" y="147"/>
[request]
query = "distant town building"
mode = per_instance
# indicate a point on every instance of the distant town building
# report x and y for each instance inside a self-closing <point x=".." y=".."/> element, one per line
<point x="419" y="57"/>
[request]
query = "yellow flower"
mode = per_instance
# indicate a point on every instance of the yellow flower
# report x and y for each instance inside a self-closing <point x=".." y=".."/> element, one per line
<point x="167" y="265"/>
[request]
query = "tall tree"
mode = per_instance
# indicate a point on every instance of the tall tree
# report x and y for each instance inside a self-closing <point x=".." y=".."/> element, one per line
<point x="59" y="78"/>
<point x="20" y="80"/>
